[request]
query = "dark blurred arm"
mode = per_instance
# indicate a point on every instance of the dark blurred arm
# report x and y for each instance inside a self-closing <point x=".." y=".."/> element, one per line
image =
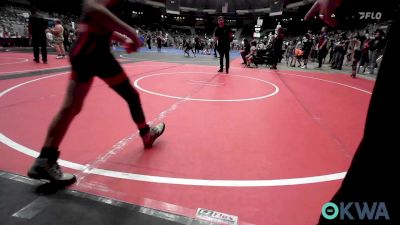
<point x="105" y="17"/>
<point x="119" y="37"/>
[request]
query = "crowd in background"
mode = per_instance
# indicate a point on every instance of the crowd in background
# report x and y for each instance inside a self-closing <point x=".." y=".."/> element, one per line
<point x="14" y="23"/>
<point x="343" y="47"/>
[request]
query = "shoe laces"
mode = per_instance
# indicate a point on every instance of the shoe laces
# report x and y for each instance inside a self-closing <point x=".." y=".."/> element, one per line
<point x="154" y="131"/>
<point x="55" y="170"/>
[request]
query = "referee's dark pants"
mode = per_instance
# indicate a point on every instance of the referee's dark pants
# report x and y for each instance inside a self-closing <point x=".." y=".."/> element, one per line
<point x="223" y="52"/>
<point x="39" y="43"/>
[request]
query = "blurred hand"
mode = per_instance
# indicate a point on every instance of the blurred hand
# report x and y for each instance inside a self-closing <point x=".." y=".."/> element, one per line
<point x="324" y="10"/>
<point x="132" y="46"/>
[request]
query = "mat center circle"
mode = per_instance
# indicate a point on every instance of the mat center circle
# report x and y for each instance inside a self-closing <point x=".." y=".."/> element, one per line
<point x="208" y="87"/>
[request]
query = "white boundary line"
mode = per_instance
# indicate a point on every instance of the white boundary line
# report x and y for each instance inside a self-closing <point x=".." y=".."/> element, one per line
<point x="68" y="66"/>
<point x="23" y="60"/>
<point x="328" y="81"/>
<point x="38" y="70"/>
<point x="179" y="181"/>
<point x="27" y="82"/>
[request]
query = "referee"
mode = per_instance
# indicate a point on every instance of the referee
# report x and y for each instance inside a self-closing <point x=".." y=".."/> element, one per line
<point x="224" y="36"/>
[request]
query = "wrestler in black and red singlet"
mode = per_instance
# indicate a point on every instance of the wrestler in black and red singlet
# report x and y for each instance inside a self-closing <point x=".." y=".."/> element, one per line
<point x="91" y="56"/>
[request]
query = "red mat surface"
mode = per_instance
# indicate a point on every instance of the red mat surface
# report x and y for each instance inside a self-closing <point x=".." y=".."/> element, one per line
<point x="11" y="62"/>
<point x="251" y="126"/>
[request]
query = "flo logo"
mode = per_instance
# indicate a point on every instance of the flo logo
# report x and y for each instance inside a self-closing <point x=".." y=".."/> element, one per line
<point x="370" y="15"/>
<point x="216" y="217"/>
<point x="355" y="210"/>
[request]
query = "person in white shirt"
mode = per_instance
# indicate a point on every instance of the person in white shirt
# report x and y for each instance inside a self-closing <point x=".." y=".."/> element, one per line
<point x="49" y="37"/>
<point x="252" y="54"/>
<point x="58" y="32"/>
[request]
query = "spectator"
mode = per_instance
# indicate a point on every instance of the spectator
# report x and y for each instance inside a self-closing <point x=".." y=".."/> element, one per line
<point x="376" y="49"/>
<point x="252" y="54"/>
<point x="277" y="46"/>
<point x="49" y="37"/>
<point x="58" y="32"/>
<point x="307" y="45"/>
<point x="245" y="51"/>
<point x="322" y="47"/>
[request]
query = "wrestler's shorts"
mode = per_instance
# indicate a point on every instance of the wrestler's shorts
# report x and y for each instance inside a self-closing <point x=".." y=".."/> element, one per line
<point x="100" y="64"/>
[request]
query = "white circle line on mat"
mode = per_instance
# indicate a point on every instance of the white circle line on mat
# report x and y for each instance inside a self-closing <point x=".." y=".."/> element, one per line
<point x="23" y="60"/>
<point x="136" y="84"/>
<point x="172" y="180"/>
